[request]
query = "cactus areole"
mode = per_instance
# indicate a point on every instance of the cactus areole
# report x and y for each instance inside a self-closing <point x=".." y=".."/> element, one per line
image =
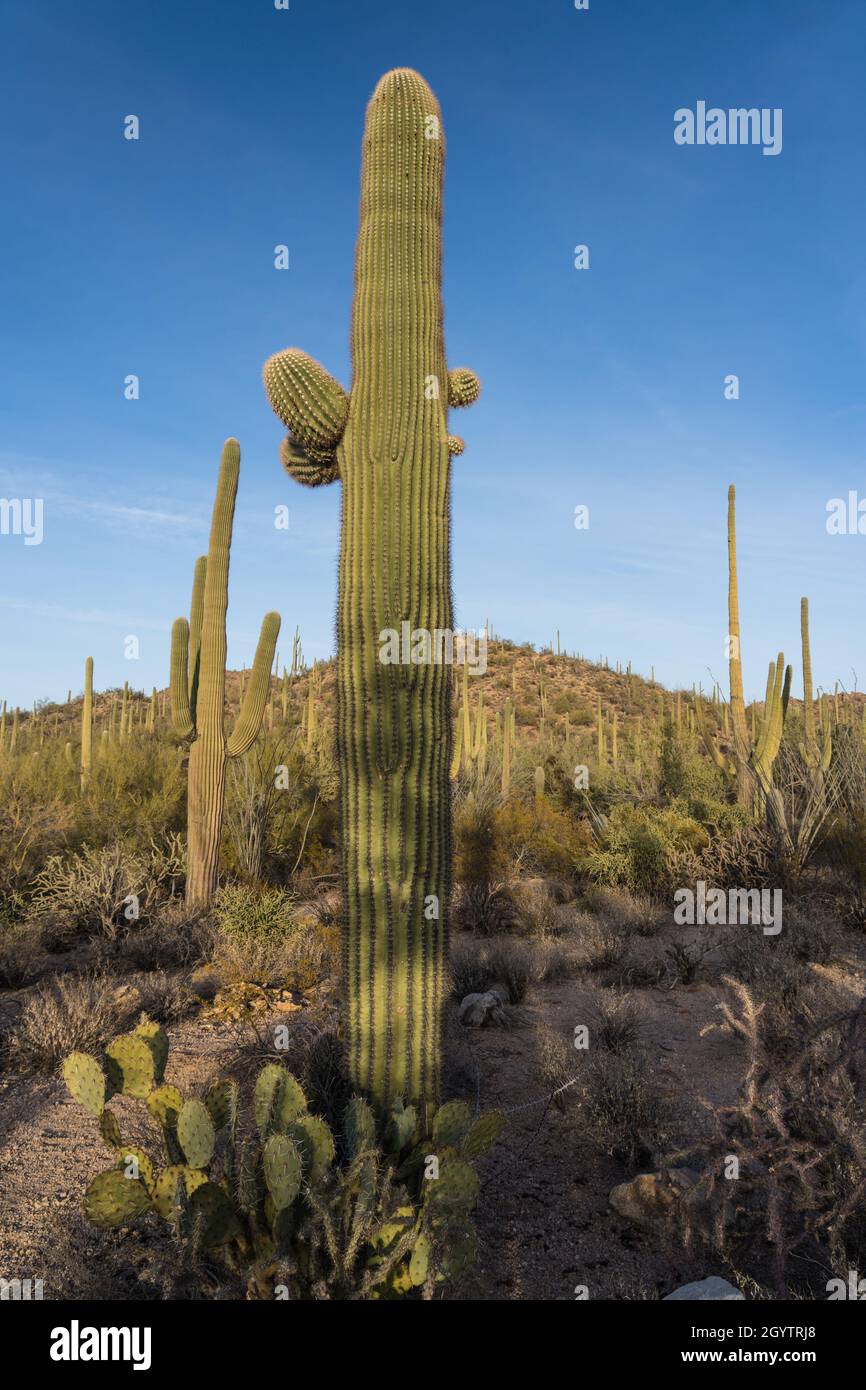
<point x="387" y="440"/>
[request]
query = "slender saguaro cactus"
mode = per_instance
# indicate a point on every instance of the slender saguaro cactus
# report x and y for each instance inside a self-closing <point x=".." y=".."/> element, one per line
<point x="87" y="724"/>
<point x="810" y="743"/>
<point x="389" y="444"/>
<point x="198" y="681"/>
<point x="742" y="742"/>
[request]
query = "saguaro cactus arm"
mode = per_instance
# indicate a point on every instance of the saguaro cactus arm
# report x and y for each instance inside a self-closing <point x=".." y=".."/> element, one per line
<point x="249" y="720"/>
<point x="310" y="402"/>
<point x="181" y="713"/>
<point x="196" y="612"/>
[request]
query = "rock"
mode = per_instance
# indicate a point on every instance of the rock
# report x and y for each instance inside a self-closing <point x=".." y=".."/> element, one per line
<point x="705" y="1289"/>
<point x="477" y="1010"/>
<point x="647" y="1199"/>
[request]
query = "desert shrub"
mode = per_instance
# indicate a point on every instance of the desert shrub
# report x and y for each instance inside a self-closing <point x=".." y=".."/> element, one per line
<point x="21" y="954"/>
<point x="256" y="911"/>
<point x="622" y="1107"/>
<point x="682" y="772"/>
<point x="174" y="938"/>
<point x="797" y="1212"/>
<point x="540" y="837"/>
<point x="274" y="949"/>
<point x="510" y="963"/>
<point x="164" y="997"/>
<point x="92" y="891"/>
<point x="555" y="960"/>
<point x="555" y="1063"/>
<point x="616" y="1021"/>
<point x="469" y="969"/>
<point x="538" y="912"/>
<point x="646" y="849"/>
<point x="513" y="964"/>
<point x="600" y="942"/>
<point x="71" y="1013"/>
<point x="479" y="857"/>
<point x="33" y="825"/>
<point x="813" y="932"/>
<point x="484" y="909"/>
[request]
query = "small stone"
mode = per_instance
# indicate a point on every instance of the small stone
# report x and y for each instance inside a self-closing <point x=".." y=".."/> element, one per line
<point x="647" y="1199"/>
<point x="703" y="1290"/>
<point x="477" y="1010"/>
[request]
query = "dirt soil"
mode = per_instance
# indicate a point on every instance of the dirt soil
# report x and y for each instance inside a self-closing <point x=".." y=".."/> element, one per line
<point x="544" y="1222"/>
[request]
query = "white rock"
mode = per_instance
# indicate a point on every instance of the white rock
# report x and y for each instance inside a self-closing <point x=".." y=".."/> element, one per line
<point x="706" y="1289"/>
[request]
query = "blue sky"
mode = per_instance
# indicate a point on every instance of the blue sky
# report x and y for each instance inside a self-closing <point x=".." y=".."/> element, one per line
<point x="601" y="387"/>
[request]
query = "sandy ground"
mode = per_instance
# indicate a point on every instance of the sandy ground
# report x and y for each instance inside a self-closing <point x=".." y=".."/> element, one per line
<point x="544" y="1222"/>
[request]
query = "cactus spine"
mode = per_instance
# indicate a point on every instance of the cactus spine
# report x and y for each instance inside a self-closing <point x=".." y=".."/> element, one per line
<point x="198" y="679"/>
<point x="389" y="444"/>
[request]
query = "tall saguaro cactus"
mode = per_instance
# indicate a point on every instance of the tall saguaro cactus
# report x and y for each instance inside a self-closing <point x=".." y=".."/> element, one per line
<point x="388" y="442"/>
<point x="198" y="680"/>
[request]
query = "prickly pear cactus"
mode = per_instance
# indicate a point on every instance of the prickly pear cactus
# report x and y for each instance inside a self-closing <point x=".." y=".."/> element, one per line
<point x="367" y="1217"/>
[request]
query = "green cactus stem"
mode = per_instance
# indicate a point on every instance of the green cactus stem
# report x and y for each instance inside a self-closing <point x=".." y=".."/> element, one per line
<point x="198" y="679"/>
<point x="87" y="725"/>
<point x="388" y="441"/>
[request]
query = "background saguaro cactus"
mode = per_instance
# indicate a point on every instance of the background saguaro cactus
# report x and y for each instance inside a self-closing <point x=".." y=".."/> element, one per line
<point x="388" y="441"/>
<point x="87" y="724"/>
<point x="198" y="678"/>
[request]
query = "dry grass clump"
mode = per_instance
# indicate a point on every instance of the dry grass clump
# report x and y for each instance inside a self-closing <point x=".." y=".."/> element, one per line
<point x="622" y="1108"/>
<point x="616" y="1021"/>
<point x="164" y="997"/>
<point x="73" y="1013"/>
<point x="632" y="914"/>
<point x="540" y="912"/>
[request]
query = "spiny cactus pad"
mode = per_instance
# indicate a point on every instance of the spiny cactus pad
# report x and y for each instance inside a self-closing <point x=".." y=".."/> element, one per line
<point x="195" y="1133"/>
<point x="401" y="1126"/>
<point x="451" y="1123"/>
<point x="213" y="1215"/>
<point x="277" y="1099"/>
<point x="109" y="1128"/>
<point x="455" y="1190"/>
<point x="134" y="1064"/>
<point x="164" y="1104"/>
<point x="165" y="1188"/>
<point x="157" y="1040"/>
<point x="310" y="403"/>
<point x="114" y="1200"/>
<point x="135" y="1164"/>
<point x="282" y="1168"/>
<point x="222" y="1102"/>
<point x="315" y="1145"/>
<point x="86" y="1081"/>
<point x="483" y="1134"/>
<point x="359" y="1127"/>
